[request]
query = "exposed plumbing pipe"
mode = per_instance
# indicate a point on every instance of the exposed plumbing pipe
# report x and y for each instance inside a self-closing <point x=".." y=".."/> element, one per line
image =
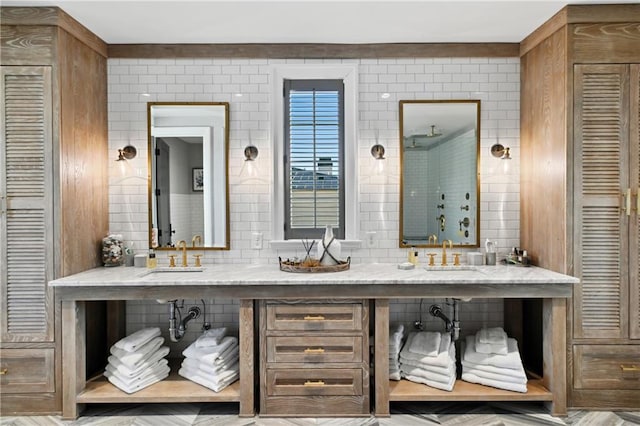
<point x="456" y="320"/>
<point x="452" y="327"/>
<point x="172" y="322"/>
<point x="193" y="313"/>
<point x="175" y="334"/>
<point x="418" y="324"/>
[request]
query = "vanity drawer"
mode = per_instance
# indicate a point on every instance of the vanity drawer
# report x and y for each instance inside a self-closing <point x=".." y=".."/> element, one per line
<point x="314" y="317"/>
<point x="27" y="370"/>
<point x="314" y="382"/>
<point x="314" y="349"/>
<point x="607" y="367"/>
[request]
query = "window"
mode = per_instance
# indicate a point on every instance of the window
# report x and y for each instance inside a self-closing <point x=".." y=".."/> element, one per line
<point x="348" y="75"/>
<point x="314" y="157"/>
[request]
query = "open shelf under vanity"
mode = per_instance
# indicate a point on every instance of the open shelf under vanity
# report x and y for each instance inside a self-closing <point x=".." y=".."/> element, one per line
<point x="405" y="390"/>
<point x="175" y="388"/>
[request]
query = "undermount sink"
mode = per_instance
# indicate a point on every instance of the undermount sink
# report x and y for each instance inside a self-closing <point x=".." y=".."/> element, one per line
<point x="450" y="268"/>
<point x="171" y="270"/>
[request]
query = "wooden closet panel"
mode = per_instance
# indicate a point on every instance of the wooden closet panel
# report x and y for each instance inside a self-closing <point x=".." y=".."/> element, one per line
<point x="634" y="228"/>
<point x="543" y="153"/>
<point x="601" y="172"/>
<point x="607" y="42"/>
<point x="84" y="157"/>
<point x="25" y="222"/>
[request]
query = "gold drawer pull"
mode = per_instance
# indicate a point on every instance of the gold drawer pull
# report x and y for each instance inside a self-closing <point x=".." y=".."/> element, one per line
<point x="630" y="371"/>
<point x="4" y="371"/>
<point x="313" y="318"/>
<point x="314" y="351"/>
<point x="314" y="383"/>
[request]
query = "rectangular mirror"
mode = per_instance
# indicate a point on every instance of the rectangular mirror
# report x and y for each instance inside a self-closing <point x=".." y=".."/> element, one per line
<point x="188" y="175"/>
<point x="440" y="173"/>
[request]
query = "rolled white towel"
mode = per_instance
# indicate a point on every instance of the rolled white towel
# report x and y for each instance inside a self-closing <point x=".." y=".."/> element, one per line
<point x="211" y="337"/>
<point x="134" y="359"/>
<point x="139" y="385"/>
<point x="511" y="360"/>
<point x="394" y="375"/>
<point x="210" y="353"/>
<point x="517" y="373"/>
<point x="446" y="352"/>
<point x="155" y="371"/>
<point x="134" y="341"/>
<point x="426" y="343"/>
<point x="491" y="341"/>
<point x="472" y="378"/>
<point x="125" y="371"/>
<point x="434" y="384"/>
<point x="492" y="376"/>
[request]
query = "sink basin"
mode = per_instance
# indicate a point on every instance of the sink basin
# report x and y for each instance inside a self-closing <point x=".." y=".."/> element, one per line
<point x="169" y="270"/>
<point x="451" y="268"/>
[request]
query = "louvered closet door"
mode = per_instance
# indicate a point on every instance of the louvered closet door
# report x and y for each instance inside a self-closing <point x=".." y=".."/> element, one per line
<point x="26" y="190"/>
<point x="601" y="156"/>
<point x="634" y="231"/>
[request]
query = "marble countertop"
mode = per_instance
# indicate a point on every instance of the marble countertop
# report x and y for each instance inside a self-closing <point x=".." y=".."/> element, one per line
<point x="371" y="273"/>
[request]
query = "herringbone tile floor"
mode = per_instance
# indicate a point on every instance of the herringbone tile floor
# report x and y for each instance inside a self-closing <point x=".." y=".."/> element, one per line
<point x="402" y="414"/>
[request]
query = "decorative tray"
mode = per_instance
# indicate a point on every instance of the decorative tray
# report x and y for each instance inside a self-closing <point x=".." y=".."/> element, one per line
<point x="289" y="265"/>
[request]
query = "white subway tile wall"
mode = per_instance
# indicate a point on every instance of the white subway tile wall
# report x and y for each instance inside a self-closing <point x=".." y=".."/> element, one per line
<point x="246" y="85"/>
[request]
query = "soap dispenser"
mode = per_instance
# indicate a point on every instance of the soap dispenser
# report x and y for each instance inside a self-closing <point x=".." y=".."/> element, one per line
<point x="413" y="256"/>
<point x="152" y="261"/>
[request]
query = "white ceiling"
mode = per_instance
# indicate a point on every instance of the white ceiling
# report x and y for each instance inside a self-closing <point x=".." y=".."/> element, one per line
<point x="309" y="21"/>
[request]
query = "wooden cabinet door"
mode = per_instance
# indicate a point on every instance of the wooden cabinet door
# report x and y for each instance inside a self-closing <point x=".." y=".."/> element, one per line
<point x="601" y="174"/>
<point x="26" y="191"/>
<point x="634" y="220"/>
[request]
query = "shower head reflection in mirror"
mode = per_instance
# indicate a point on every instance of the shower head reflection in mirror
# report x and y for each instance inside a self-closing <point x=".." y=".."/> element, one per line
<point x="439" y="152"/>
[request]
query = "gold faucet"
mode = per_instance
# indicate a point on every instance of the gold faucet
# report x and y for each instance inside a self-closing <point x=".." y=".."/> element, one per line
<point x="444" y="251"/>
<point x="182" y="244"/>
<point x="195" y="238"/>
<point x="433" y="237"/>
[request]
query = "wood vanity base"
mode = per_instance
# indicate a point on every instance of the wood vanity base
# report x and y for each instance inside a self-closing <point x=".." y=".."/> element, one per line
<point x="331" y="376"/>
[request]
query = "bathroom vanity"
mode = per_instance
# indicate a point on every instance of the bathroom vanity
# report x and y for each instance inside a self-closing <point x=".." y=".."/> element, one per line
<point x="349" y="294"/>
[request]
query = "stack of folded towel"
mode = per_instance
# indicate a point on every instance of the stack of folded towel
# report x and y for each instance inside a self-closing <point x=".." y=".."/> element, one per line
<point x="138" y="361"/>
<point x="491" y="358"/>
<point x="429" y="358"/>
<point x="212" y="360"/>
<point x="396" y="333"/>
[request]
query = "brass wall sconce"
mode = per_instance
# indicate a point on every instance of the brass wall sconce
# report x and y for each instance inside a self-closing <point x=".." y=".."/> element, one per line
<point x="377" y="151"/>
<point x="500" y="151"/>
<point x="250" y="153"/>
<point x="127" y="153"/>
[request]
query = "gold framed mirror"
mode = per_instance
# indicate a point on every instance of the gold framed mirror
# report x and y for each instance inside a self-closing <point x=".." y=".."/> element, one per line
<point x="188" y="155"/>
<point x="440" y="173"/>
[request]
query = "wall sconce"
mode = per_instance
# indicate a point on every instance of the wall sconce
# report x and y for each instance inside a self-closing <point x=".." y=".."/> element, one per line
<point x="127" y="153"/>
<point x="500" y="151"/>
<point x="377" y="152"/>
<point x="250" y="153"/>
